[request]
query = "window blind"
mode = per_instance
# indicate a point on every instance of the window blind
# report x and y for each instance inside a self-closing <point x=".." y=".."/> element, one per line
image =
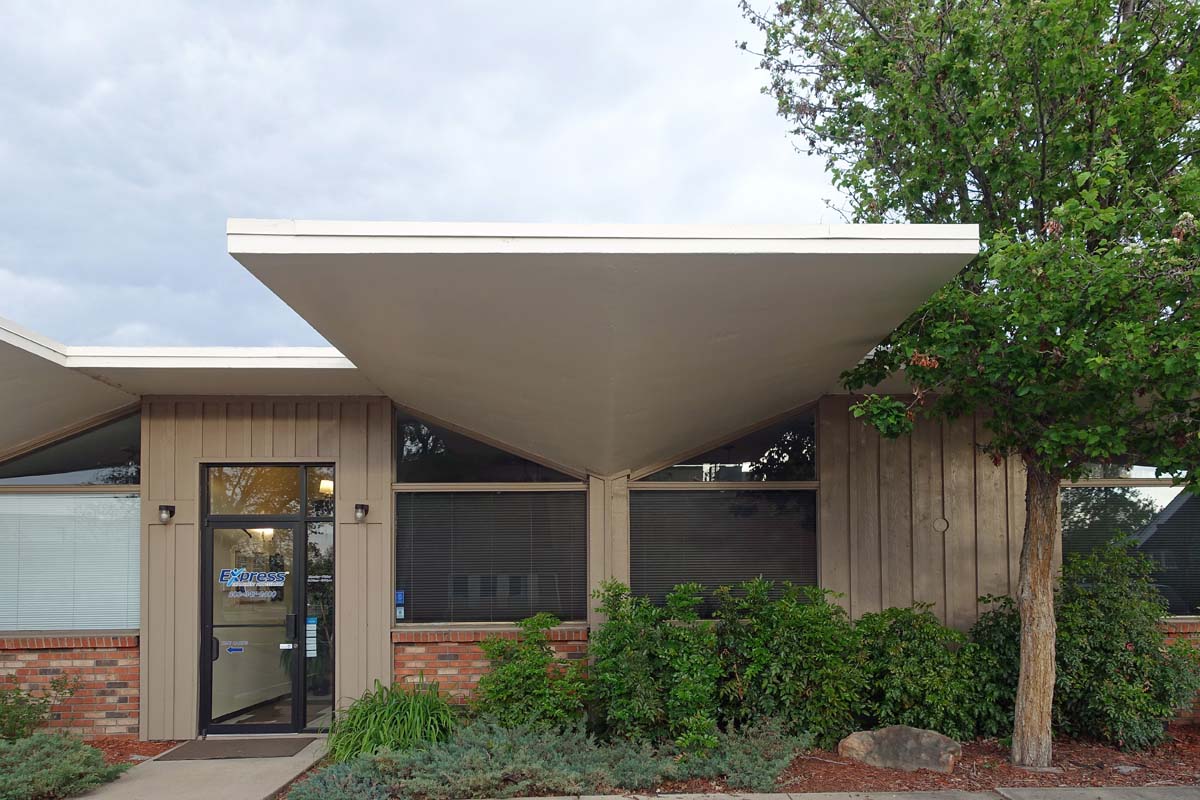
<point x="69" y="561"/>
<point x="491" y="556"/>
<point x="720" y="538"/>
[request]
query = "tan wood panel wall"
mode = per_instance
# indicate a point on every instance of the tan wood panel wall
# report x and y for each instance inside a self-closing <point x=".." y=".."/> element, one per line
<point x="178" y="435"/>
<point x="608" y="535"/>
<point x="926" y="518"/>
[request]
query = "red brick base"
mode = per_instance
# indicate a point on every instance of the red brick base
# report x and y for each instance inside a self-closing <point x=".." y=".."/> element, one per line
<point x="105" y="668"/>
<point x="454" y="660"/>
<point x="1189" y="630"/>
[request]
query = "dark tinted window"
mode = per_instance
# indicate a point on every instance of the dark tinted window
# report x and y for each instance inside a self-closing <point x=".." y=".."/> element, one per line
<point x="109" y="454"/>
<point x="720" y="538"/>
<point x="783" y="452"/>
<point x="428" y="454"/>
<point x="491" y="556"/>
<point x="1164" y="522"/>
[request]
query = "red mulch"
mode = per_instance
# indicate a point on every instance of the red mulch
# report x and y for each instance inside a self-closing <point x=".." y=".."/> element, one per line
<point x="118" y="750"/>
<point x="985" y="766"/>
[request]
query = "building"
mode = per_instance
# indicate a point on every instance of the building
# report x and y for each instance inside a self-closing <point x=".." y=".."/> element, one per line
<point x="236" y="539"/>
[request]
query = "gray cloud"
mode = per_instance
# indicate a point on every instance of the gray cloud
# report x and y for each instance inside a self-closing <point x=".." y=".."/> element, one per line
<point x="132" y="131"/>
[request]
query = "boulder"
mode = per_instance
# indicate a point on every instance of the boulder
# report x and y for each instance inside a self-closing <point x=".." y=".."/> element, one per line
<point x="902" y="747"/>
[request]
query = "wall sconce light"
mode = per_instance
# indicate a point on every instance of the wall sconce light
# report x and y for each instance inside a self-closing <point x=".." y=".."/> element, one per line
<point x="360" y="511"/>
<point x="165" y="513"/>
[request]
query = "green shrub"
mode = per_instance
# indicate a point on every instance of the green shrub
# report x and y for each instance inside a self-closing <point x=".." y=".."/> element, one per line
<point x="692" y="671"/>
<point x="46" y="766"/>
<point x="390" y="717"/>
<point x="917" y="671"/>
<point x="994" y="663"/>
<point x="656" y="670"/>
<point x="1117" y="679"/>
<point x="21" y="712"/>
<point x="626" y="672"/>
<point x="796" y="658"/>
<point x="526" y="684"/>
<point x="486" y="759"/>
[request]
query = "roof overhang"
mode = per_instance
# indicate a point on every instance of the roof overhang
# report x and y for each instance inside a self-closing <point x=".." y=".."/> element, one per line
<point x="601" y="348"/>
<point x="47" y="387"/>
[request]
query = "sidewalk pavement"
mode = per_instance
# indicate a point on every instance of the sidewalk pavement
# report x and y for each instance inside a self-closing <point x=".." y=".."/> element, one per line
<point x="210" y="779"/>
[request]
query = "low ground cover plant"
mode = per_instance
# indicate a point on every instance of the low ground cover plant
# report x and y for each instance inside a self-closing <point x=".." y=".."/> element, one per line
<point x="486" y="759"/>
<point x="46" y="766"/>
<point x="390" y="717"/>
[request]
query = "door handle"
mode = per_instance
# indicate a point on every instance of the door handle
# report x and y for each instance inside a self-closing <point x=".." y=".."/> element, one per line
<point x="216" y="649"/>
<point x="292" y="634"/>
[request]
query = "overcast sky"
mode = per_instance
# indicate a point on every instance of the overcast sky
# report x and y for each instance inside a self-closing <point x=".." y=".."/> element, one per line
<point x="129" y="135"/>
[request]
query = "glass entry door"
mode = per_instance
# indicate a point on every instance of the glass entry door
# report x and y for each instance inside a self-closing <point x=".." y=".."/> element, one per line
<point x="267" y="639"/>
<point x="255" y="651"/>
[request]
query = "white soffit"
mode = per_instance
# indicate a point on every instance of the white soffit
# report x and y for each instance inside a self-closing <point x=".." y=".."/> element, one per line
<point x="601" y="348"/>
<point x="46" y="386"/>
<point x="39" y="394"/>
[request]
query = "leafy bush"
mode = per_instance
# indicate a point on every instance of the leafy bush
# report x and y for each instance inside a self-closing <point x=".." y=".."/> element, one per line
<point x="485" y="759"/>
<point x="692" y="672"/>
<point x="655" y="670"/>
<point x="1117" y="679"/>
<point x="21" y="712"/>
<point x="994" y="664"/>
<point x="390" y="717"/>
<point x="526" y="684"/>
<point x="626" y="672"/>
<point x="917" y="671"/>
<point x="46" y="766"/>
<point x="796" y="658"/>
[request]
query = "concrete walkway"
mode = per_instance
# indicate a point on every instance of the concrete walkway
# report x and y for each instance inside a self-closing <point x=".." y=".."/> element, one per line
<point x="211" y="779"/>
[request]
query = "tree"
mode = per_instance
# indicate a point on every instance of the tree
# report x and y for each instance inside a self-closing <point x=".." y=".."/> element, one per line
<point x="1068" y="131"/>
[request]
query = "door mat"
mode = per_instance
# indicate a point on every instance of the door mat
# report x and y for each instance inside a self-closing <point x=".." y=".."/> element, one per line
<point x="199" y="749"/>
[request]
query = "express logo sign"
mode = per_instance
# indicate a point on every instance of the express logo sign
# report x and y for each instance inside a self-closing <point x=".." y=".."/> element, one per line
<point x="242" y="577"/>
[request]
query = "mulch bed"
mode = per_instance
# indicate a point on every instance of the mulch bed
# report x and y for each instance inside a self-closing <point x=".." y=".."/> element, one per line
<point x="123" y="751"/>
<point x="984" y="766"/>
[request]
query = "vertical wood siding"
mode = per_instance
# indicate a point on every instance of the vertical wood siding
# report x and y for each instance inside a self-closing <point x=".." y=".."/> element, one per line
<point x="927" y="518"/>
<point x="177" y="435"/>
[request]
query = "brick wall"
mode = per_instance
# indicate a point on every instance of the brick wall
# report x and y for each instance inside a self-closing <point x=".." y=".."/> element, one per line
<point x="454" y="660"/>
<point x="105" y="702"/>
<point x="1190" y="630"/>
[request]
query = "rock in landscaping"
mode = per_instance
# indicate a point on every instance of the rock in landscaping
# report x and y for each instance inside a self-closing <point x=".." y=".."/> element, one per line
<point x="902" y="747"/>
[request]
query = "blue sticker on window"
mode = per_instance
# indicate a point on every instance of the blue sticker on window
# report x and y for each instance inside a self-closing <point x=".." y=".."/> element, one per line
<point x="400" y="597"/>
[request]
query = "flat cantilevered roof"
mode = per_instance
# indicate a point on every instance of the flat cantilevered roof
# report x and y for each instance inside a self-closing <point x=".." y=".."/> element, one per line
<point x="47" y="386"/>
<point x="601" y="348"/>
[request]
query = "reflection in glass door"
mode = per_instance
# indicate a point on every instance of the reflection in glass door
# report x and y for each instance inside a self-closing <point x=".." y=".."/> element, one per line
<point x="253" y="636"/>
<point x="267" y="628"/>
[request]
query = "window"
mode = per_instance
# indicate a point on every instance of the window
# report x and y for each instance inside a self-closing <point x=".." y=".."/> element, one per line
<point x="782" y="452"/>
<point x="1163" y="521"/>
<point x="491" y="556"/>
<point x="720" y="538"/>
<point x="428" y="454"/>
<point x="692" y="523"/>
<point x="109" y="454"/>
<point x="69" y="561"/>
<point x="484" y="554"/>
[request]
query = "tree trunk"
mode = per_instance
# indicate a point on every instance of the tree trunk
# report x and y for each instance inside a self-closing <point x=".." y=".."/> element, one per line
<point x="1035" y="600"/>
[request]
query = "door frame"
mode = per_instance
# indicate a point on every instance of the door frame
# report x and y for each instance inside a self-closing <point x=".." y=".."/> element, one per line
<point x="298" y="523"/>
